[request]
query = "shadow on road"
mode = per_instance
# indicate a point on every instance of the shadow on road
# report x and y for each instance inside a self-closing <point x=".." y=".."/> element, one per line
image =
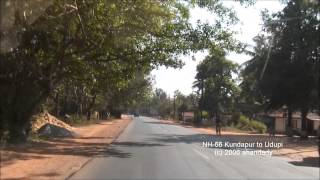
<point x="159" y="122"/>
<point x="51" y="174"/>
<point x="137" y="144"/>
<point x="309" y="161"/>
<point x="77" y="147"/>
<point x="10" y="158"/>
<point x="297" y="145"/>
<point x="200" y="138"/>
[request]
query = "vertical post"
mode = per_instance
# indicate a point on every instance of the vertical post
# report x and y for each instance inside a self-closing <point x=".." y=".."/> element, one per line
<point x="201" y="100"/>
<point x="174" y="106"/>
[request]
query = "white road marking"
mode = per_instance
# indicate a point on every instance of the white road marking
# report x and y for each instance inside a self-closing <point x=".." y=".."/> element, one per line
<point x="201" y="154"/>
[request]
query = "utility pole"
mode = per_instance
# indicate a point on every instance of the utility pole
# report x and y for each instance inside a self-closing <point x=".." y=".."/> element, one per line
<point x="174" y="106"/>
<point x="201" y="99"/>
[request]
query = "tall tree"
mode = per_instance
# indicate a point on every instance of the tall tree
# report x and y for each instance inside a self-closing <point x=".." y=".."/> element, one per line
<point x="251" y="100"/>
<point x="219" y="87"/>
<point x="291" y="74"/>
<point x="100" y="43"/>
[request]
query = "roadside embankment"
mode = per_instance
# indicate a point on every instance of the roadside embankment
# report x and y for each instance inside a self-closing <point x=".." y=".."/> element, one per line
<point x="58" y="158"/>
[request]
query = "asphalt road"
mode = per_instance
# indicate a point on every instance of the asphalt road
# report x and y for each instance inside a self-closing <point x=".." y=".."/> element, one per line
<point x="149" y="149"/>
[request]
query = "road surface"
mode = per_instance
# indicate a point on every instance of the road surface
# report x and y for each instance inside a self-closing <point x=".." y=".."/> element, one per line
<point x="149" y="149"/>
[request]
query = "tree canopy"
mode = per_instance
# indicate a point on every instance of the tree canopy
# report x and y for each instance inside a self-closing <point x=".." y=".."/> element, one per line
<point x="214" y="80"/>
<point x="98" y="47"/>
<point x="286" y="70"/>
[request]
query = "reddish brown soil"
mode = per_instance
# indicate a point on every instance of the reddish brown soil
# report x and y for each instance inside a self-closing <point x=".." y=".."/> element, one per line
<point x="59" y="158"/>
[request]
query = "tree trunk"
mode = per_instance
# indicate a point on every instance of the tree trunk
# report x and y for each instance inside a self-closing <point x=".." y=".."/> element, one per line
<point x="19" y="116"/>
<point x="217" y="117"/>
<point x="289" y="122"/>
<point x="93" y="101"/>
<point x="88" y="115"/>
<point x="201" y="102"/>
<point x="57" y="105"/>
<point x="17" y="132"/>
<point x="289" y="117"/>
<point x="174" y="107"/>
<point x="183" y="117"/>
<point x="304" y="132"/>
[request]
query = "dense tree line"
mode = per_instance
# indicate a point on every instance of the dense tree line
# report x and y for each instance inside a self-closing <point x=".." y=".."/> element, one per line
<point x="285" y="67"/>
<point x="283" y="72"/>
<point x="160" y="104"/>
<point x="81" y="54"/>
<point x="215" y="84"/>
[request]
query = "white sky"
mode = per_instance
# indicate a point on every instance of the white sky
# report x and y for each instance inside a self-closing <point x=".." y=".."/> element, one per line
<point x="248" y="27"/>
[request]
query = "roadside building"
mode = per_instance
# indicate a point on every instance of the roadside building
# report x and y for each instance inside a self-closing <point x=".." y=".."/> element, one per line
<point x="279" y="119"/>
<point x="187" y="116"/>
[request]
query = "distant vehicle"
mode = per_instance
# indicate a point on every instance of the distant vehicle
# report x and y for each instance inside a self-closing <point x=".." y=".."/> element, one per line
<point x="136" y="114"/>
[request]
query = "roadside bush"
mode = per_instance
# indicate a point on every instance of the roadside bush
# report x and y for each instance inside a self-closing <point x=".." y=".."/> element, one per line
<point x="251" y="125"/>
<point x="258" y="126"/>
<point x="205" y="114"/>
<point x="243" y="123"/>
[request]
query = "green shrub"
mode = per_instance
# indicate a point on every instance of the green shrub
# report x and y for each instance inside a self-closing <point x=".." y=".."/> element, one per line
<point x="251" y="125"/>
<point x="205" y="114"/>
<point x="258" y="126"/>
<point x="243" y="123"/>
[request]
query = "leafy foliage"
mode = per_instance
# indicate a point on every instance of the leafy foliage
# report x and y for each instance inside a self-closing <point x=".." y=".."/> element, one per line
<point x="214" y="80"/>
<point x="250" y="125"/>
<point x="290" y="76"/>
<point x="93" y="52"/>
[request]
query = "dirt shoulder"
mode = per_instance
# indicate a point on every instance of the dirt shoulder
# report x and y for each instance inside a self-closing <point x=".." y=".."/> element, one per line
<point x="299" y="152"/>
<point x="59" y="158"/>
